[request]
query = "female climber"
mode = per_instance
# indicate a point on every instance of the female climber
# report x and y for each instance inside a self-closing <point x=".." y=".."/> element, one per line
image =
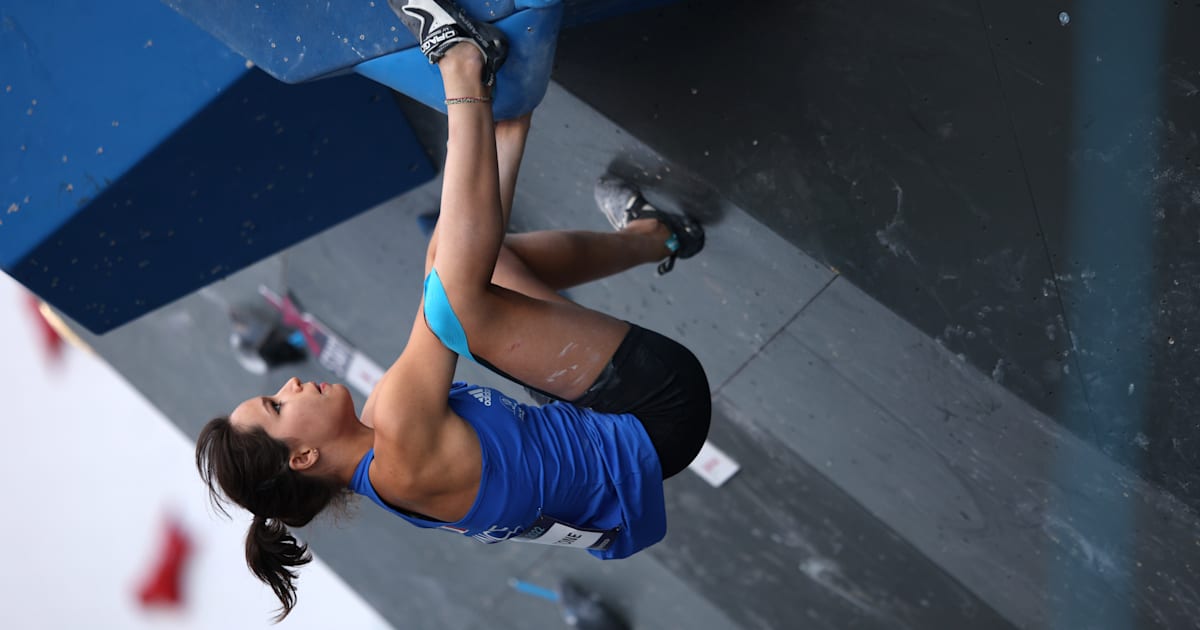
<point x="630" y="409"/>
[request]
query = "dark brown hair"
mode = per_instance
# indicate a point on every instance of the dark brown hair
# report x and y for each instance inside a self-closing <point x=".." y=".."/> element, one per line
<point x="250" y="468"/>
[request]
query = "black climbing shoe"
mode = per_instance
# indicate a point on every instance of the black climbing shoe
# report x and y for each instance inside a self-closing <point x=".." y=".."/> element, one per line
<point x="622" y="203"/>
<point x="440" y="24"/>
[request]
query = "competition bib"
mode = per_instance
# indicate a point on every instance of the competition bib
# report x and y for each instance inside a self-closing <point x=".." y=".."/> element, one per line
<point x="550" y="531"/>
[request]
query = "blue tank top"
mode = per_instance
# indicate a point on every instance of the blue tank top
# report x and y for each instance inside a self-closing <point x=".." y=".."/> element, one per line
<point x="554" y="471"/>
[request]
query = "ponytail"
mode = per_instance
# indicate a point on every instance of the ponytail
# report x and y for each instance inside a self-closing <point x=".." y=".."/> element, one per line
<point x="250" y="468"/>
<point x="271" y="552"/>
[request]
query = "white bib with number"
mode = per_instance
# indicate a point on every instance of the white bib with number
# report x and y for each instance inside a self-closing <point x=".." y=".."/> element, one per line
<point x="550" y="531"/>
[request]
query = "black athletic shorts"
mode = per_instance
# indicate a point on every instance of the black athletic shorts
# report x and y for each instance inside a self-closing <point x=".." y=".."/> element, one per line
<point x="663" y="384"/>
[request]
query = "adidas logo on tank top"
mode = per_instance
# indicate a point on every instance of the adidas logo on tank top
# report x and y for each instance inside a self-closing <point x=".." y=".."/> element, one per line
<point x="484" y="396"/>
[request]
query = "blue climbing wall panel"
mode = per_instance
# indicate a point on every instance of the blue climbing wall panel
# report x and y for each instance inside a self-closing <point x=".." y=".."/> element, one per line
<point x="142" y="159"/>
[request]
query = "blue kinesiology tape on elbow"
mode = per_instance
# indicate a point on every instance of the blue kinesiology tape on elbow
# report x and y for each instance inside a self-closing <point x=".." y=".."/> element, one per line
<point x="440" y="317"/>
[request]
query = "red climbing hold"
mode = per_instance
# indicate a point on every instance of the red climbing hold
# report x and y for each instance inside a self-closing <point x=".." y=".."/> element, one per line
<point x="163" y="587"/>
<point x="52" y="343"/>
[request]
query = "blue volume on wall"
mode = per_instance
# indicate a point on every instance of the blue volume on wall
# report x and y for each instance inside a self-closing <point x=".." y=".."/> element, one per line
<point x="297" y="41"/>
<point x="144" y="160"/>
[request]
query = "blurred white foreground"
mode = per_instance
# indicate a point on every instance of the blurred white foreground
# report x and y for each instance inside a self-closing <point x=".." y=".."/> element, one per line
<point x="88" y="474"/>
